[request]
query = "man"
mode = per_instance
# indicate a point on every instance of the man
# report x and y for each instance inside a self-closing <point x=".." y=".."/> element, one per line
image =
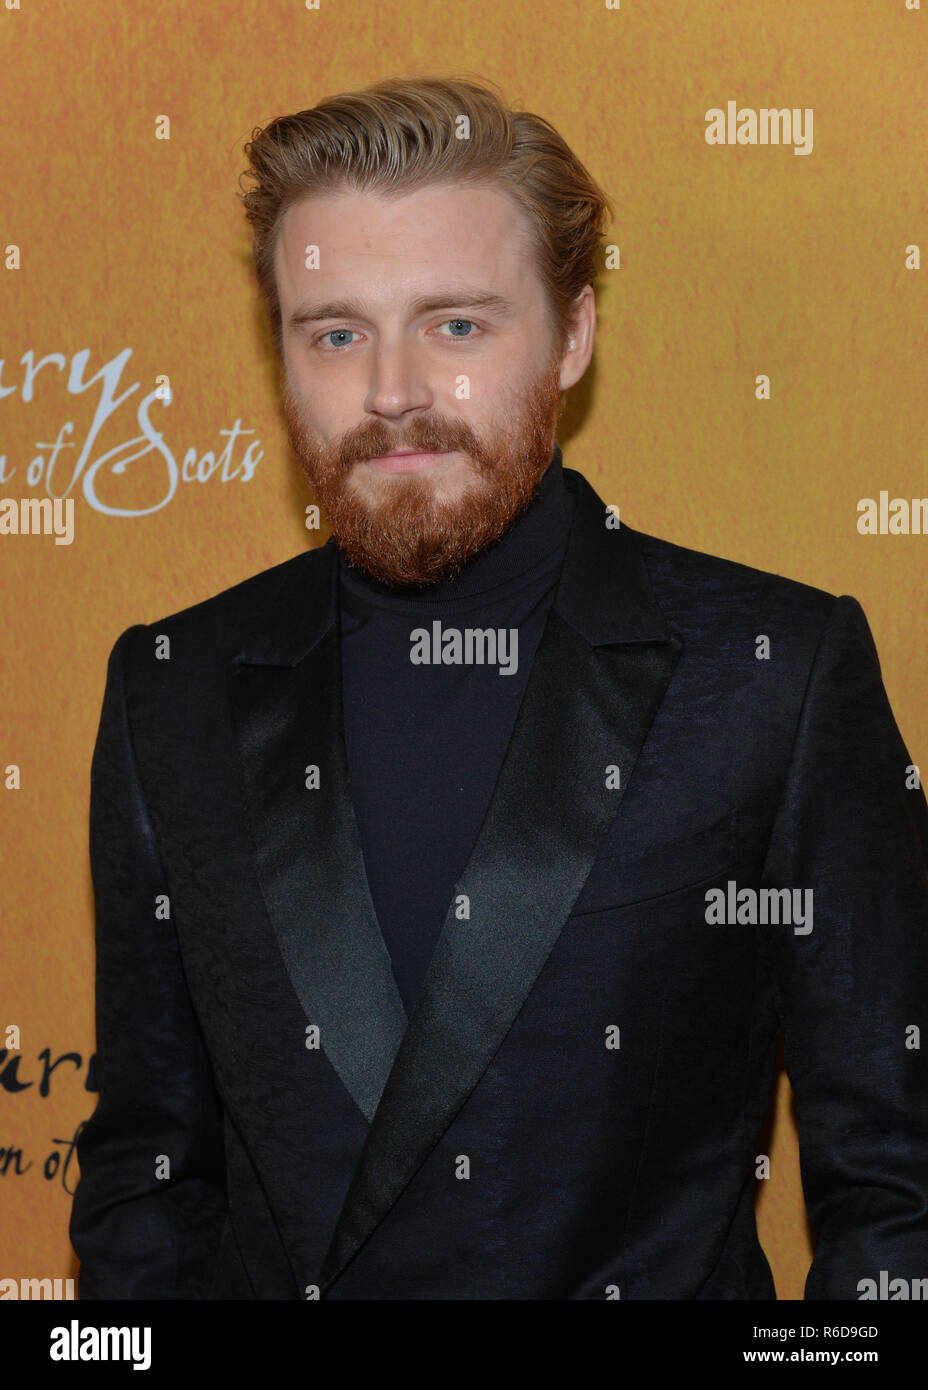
<point x="454" y="880"/>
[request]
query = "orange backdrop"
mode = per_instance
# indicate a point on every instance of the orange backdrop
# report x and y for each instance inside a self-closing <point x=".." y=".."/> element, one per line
<point x="126" y="267"/>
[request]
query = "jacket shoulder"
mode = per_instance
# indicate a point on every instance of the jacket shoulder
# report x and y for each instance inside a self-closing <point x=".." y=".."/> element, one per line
<point x="693" y="585"/>
<point x="224" y="621"/>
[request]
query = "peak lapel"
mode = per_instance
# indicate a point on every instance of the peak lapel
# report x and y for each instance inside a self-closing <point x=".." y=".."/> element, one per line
<point x="287" y="707"/>
<point x="597" y="680"/>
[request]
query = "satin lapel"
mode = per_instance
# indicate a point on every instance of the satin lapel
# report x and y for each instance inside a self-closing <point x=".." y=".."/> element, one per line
<point x="585" y="709"/>
<point x="309" y="862"/>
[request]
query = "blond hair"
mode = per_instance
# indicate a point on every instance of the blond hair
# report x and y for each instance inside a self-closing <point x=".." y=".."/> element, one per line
<point x="400" y="134"/>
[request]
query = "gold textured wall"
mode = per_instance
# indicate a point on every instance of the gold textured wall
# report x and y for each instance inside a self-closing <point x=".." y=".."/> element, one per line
<point x="126" y="251"/>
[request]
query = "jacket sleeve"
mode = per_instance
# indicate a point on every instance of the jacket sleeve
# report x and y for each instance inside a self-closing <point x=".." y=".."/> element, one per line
<point x="149" y="1207"/>
<point x="851" y="993"/>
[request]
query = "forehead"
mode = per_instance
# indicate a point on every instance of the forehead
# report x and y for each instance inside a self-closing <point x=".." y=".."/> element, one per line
<point x="405" y="242"/>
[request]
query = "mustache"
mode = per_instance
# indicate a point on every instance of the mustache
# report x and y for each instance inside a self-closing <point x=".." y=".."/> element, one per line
<point x="427" y="434"/>
<point x="424" y="435"/>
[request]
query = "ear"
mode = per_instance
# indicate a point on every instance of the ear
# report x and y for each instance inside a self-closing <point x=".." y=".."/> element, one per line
<point x="579" y="349"/>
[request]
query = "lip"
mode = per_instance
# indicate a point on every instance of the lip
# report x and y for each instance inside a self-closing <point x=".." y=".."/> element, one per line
<point x="408" y="461"/>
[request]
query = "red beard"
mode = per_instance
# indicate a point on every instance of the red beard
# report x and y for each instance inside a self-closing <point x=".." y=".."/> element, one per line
<point x="403" y="537"/>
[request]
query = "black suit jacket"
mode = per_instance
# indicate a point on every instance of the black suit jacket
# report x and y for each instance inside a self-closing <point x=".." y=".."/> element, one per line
<point x="573" y="1110"/>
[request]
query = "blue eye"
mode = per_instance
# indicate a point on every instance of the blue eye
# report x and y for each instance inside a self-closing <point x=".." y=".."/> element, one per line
<point x="341" y="332"/>
<point x="460" y="321"/>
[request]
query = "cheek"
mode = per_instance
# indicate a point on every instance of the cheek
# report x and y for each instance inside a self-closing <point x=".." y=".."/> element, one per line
<point x="324" y="416"/>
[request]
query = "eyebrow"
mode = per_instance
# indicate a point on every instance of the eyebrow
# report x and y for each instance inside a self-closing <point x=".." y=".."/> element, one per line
<point x="463" y="297"/>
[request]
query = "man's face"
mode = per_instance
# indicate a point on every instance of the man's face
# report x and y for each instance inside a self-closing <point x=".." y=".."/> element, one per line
<point x="393" y="344"/>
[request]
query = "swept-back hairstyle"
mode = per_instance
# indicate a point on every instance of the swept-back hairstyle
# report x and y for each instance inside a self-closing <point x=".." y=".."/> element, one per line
<point x="400" y="134"/>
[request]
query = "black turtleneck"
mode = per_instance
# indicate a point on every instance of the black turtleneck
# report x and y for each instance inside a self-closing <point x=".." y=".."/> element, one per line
<point x="425" y="742"/>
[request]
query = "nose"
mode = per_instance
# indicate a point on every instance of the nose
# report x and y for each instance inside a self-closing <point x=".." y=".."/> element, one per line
<point x="398" y="380"/>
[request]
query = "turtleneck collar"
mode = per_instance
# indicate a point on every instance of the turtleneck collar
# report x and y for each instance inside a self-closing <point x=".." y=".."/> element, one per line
<point x="533" y="539"/>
